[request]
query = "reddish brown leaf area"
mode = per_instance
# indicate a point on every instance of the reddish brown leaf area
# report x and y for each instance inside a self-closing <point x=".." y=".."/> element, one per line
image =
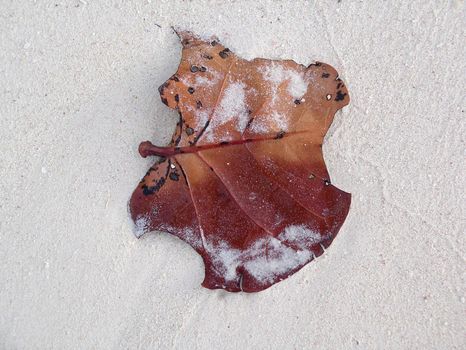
<point x="244" y="180"/>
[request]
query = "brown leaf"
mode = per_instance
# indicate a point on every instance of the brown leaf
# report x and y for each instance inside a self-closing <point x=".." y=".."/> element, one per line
<point x="243" y="180"/>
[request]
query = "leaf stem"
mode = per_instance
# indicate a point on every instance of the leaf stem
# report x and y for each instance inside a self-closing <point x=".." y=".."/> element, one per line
<point x="146" y="149"/>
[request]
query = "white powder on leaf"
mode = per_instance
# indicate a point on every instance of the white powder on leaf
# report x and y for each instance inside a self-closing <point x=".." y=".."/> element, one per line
<point x="272" y="122"/>
<point x="191" y="238"/>
<point x="297" y="87"/>
<point x="207" y="81"/>
<point x="202" y="116"/>
<point x="141" y="225"/>
<point x="300" y="236"/>
<point x="226" y="260"/>
<point x="279" y="120"/>
<point x="259" y="126"/>
<point x="202" y="81"/>
<point x="232" y="107"/>
<point x="279" y="259"/>
<point x="268" y="257"/>
<point x="276" y="75"/>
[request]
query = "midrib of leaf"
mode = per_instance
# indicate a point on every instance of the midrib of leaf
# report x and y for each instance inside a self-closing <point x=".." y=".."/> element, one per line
<point x="146" y="148"/>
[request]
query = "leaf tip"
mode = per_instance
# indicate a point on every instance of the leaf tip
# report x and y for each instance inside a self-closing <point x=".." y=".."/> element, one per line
<point x="189" y="38"/>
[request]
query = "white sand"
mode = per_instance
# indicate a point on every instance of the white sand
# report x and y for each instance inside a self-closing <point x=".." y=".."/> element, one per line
<point x="78" y="94"/>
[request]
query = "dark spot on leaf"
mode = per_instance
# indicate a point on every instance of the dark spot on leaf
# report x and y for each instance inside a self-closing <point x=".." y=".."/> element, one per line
<point x="325" y="75"/>
<point x="326" y="182"/>
<point x="148" y="190"/>
<point x="199" y="104"/>
<point x="203" y="69"/>
<point x="177" y="98"/>
<point x="194" y="69"/>
<point x="224" y="53"/>
<point x="298" y="102"/>
<point x="249" y="122"/>
<point x="280" y="135"/>
<point x="189" y="131"/>
<point x="209" y="57"/>
<point x="213" y="43"/>
<point x="149" y="171"/>
<point x="340" y="96"/>
<point x="191" y="90"/>
<point x="174" y="176"/>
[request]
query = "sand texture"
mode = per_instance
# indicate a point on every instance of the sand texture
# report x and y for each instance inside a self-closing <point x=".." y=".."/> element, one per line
<point x="79" y="92"/>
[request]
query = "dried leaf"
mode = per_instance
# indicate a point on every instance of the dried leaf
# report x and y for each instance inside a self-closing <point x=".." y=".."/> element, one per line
<point x="243" y="180"/>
